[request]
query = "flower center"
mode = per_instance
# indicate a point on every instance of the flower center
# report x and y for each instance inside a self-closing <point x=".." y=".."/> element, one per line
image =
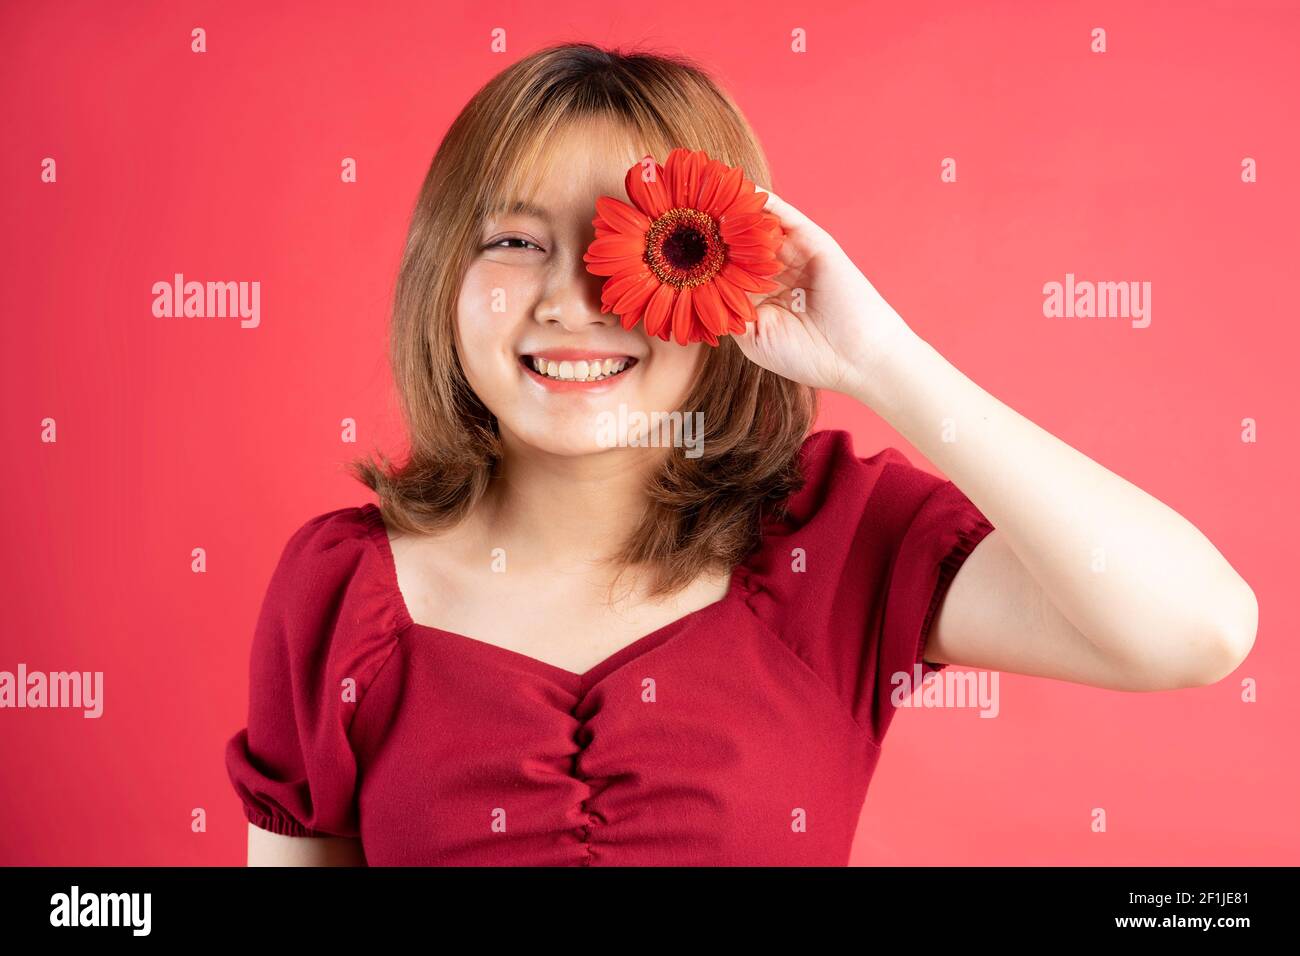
<point x="684" y="247"/>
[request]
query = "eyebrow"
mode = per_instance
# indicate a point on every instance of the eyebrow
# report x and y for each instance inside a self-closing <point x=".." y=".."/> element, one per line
<point x="524" y="208"/>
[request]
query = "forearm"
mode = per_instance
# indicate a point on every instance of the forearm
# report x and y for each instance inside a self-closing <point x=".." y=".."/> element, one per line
<point x="1134" y="576"/>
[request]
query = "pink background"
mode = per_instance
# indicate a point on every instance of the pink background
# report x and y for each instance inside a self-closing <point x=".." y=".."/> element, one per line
<point x="174" y="434"/>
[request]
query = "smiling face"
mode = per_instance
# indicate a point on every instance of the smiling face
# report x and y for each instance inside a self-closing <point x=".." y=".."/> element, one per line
<point x="532" y="340"/>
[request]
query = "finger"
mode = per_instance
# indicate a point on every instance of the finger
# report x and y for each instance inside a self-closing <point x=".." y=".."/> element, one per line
<point x="802" y="239"/>
<point x="793" y="260"/>
<point x="791" y="218"/>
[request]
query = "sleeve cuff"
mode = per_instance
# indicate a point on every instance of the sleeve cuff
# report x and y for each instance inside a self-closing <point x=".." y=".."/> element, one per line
<point x="285" y="826"/>
<point x="970" y="529"/>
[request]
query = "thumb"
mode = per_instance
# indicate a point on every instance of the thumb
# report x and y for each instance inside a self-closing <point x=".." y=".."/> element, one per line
<point x="746" y="339"/>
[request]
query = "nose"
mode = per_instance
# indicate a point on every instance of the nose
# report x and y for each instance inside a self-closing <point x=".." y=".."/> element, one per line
<point x="572" y="300"/>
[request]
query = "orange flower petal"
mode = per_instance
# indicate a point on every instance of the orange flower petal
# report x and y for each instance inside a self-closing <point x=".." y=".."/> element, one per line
<point x="609" y="267"/>
<point x="659" y="310"/>
<point x="683" y="310"/>
<point x="684" y="180"/>
<point x="728" y="190"/>
<point x="768" y="267"/>
<point x="636" y="296"/>
<point x="747" y="281"/>
<point x="650" y="198"/>
<point x="710" y="308"/>
<point x="754" y="239"/>
<point x="735" y="298"/>
<point x="735" y="225"/>
<point x="756" y="236"/>
<point x="746" y="201"/>
<point x="673" y="178"/>
<point x="748" y="256"/>
<point x="614" y="247"/>
<point x="710" y="179"/>
<point x="622" y="217"/>
<point x="619" y="284"/>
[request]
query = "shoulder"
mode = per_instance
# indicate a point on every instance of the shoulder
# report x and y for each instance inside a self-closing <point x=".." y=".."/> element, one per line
<point x="840" y="486"/>
<point x="841" y="535"/>
<point x="327" y="598"/>
<point x="331" y="550"/>
<point x="850" y="511"/>
<point x="850" y="578"/>
<point x="319" y="538"/>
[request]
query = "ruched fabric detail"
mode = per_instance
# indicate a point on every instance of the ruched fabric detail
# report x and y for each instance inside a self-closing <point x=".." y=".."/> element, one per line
<point x="743" y="733"/>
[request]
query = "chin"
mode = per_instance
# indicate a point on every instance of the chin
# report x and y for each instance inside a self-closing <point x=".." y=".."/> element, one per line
<point x="595" y="432"/>
<point x="572" y="437"/>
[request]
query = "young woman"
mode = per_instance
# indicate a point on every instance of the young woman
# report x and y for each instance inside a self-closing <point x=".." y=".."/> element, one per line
<point x="544" y="647"/>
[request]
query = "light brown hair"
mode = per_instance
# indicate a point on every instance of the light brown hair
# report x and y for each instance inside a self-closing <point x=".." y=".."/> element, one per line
<point x="701" y="513"/>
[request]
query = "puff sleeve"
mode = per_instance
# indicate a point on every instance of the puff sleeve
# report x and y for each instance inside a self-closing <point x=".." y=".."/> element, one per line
<point x="293" y="766"/>
<point x="853" y="577"/>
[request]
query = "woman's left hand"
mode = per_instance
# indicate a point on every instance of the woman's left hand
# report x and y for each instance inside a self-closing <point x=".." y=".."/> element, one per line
<point x="828" y="327"/>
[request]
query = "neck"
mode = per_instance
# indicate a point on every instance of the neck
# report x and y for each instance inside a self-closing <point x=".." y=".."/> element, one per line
<point x="565" y="513"/>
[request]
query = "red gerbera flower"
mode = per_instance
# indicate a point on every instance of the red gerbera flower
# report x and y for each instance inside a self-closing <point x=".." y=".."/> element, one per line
<point x="688" y="251"/>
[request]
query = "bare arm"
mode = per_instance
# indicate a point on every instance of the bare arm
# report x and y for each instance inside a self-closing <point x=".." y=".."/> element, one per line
<point x="1086" y="577"/>
<point x="273" y="849"/>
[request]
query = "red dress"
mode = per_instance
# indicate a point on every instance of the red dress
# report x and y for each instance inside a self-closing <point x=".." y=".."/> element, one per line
<point x="744" y="733"/>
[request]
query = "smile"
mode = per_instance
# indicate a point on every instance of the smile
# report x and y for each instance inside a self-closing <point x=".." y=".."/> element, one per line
<point x="576" y="371"/>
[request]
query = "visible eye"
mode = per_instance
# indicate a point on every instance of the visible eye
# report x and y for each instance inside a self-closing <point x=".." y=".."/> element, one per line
<point x="497" y="244"/>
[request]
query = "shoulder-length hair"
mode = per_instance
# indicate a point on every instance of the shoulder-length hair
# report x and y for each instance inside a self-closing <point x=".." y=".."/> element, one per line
<point x="702" y="513"/>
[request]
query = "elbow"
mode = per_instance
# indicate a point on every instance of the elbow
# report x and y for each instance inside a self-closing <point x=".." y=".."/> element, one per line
<point x="1234" y="636"/>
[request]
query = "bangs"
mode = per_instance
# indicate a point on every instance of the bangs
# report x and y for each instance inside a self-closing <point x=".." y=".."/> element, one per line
<point x="524" y="156"/>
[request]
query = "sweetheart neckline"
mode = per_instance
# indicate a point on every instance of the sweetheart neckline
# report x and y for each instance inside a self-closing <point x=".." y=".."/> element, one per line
<point x="592" y="675"/>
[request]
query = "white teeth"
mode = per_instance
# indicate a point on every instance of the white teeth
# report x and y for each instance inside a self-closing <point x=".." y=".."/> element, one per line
<point x="579" y="371"/>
